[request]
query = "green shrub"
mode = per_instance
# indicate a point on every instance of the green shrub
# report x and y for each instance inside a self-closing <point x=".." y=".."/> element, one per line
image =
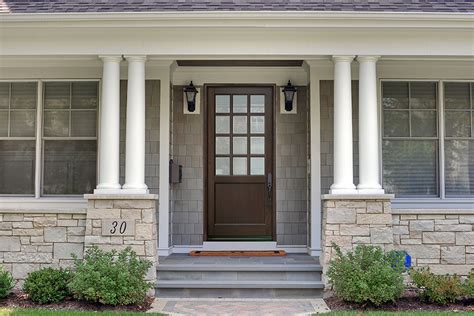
<point x="6" y="283"/>
<point x="441" y="289"/>
<point x="47" y="285"/>
<point x="110" y="277"/>
<point x="469" y="285"/>
<point x="367" y="275"/>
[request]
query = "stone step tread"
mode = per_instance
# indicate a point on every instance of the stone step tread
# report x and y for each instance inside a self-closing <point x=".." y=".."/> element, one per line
<point x="225" y="284"/>
<point x="240" y="267"/>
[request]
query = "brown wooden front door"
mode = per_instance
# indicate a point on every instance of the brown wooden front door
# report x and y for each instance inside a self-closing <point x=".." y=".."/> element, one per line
<point x="240" y="163"/>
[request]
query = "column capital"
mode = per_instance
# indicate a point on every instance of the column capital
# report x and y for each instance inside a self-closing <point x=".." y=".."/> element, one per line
<point x="343" y="58"/>
<point x="367" y="58"/>
<point x="111" y="58"/>
<point x="141" y="58"/>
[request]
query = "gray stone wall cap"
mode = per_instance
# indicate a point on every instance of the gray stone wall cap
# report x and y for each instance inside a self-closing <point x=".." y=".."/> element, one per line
<point x="43" y="211"/>
<point x="431" y="211"/>
<point x="121" y="196"/>
<point x="357" y="196"/>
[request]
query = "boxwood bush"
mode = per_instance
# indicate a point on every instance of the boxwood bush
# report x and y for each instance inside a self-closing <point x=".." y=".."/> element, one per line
<point x="47" y="285"/>
<point x="6" y="283"/>
<point x="367" y="275"/>
<point x="111" y="277"/>
<point x="441" y="289"/>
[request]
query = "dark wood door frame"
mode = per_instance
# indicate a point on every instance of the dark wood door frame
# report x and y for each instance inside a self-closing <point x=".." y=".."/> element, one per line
<point x="205" y="148"/>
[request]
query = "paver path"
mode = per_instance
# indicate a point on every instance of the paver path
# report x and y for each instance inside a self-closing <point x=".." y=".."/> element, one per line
<point x="241" y="307"/>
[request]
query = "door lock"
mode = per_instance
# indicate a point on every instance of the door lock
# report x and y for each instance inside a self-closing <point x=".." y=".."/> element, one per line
<point x="269" y="185"/>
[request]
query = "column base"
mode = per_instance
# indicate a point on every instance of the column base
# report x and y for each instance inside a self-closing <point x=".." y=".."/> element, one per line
<point x="164" y="252"/>
<point x="108" y="191"/>
<point x="135" y="191"/>
<point x="370" y="191"/>
<point x="343" y="191"/>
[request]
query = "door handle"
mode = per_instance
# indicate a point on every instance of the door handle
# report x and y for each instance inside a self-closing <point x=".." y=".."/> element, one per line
<point x="269" y="185"/>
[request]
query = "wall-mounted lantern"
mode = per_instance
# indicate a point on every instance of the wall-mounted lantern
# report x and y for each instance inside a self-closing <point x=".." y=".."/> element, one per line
<point x="289" y="92"/>
<point x="190" y="93"/>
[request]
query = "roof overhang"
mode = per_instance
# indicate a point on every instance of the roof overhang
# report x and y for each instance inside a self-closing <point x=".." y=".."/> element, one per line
<point x="243" y="19"/>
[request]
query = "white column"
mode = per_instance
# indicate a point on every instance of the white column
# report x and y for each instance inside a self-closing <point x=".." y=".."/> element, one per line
<point x="135" y="132"/>
<point x="369" y="164"/>
<point x="109" y="135"/>
<point x="314" y="248"/>
<point x="164" y="189"/>
<point x="343" y="170"/>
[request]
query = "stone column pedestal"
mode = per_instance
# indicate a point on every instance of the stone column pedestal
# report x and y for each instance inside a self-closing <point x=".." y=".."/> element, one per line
<point x="119" y="221"/>
<point x="349" y="220"/>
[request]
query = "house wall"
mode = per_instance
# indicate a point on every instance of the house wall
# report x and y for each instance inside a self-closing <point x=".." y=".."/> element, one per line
<point x="33" y="240"/>
<point x="291" y="173"/>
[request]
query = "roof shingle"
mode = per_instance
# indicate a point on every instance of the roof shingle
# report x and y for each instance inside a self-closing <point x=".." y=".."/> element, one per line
<point x="76" y="6"/>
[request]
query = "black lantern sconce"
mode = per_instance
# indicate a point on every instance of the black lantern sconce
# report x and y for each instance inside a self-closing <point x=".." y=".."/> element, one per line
<point x="190" y="92"/>
<point x="289" y="91"/>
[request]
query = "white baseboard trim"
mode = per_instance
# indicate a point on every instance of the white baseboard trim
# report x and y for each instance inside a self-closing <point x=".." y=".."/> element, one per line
<point x="239" y="245"/>
<point x="313" y="252"/>
<point x="165" y="252"/>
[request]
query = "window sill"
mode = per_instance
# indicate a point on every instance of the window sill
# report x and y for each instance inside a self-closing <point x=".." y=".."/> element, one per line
<point x="432" y="206"/>
<point x="71" y="205"/>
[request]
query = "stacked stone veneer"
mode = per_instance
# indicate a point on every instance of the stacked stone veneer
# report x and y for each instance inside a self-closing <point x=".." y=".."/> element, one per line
<point x="352" y="220"/>
<point x="140" y="209"/>
<point x="442" y="240"/>
<point x="30" y="241"/>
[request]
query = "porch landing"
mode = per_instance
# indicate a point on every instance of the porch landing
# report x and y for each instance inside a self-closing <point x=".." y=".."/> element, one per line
<point x="291" y="276"/>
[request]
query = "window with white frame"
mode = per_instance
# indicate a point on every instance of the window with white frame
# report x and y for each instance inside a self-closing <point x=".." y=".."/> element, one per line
<point x="421" y="157"/>
<point x="67" y="143"/>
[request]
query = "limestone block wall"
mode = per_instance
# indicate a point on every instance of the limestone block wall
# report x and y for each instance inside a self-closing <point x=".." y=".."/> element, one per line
<point x="352" y="220"/>
<point x="138" y="211"/>
<point x="30" y="241"/>
<point x="442" y="240"/>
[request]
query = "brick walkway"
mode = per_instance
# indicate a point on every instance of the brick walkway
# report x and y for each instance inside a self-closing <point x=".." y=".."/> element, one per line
<point x="239" y="307"/>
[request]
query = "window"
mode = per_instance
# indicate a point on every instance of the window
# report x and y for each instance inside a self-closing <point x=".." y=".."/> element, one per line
<point x="18" y="107"/>
<point x="414" y="142"/>
<point x="67" y="141"/>
<point x="459" y="139"/>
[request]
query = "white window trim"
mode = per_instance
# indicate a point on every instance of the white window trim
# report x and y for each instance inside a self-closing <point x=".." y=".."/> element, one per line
<point x="441" y="202"/>
<point x="24" y="201"/>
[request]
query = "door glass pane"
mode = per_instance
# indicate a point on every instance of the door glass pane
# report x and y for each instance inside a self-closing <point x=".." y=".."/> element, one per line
<point x="222" y="166"/>
<point x="23" y="95"/>
<point x="239" y="146"/>
<point x="458" y="123"/>
<point x="257" y="145"/>
<point x="410" y="167"/>
<point x="396" y="123"/>
<point x="222" y="145"/>
<point x="423" y="95"/>
<point x="4" y="95"/>
<point x="222" y="125"/>
<point x="456" y="95"/>
<point x="239" y="166"/>
<point x="239" y="125"/>
<point x="459" y="167"/>
<point x="395" y="95"/>
<point x="222" y="103"/>
<point x="56" y="124"/>
<point x="57" y="95"/>
<point x="83" y="123"/>
<point x="257" y="104"/>
<point x="84" y="95"/>
<point x="240" y="104"/>
<point x="257" y="124"/>
<point x="69" y="166"/>
<point x="17" y="166"/>
<point x="423" y="123"/>
<point x="22" y="123"/>
<point x="257" y="166"/>
<point x="3" y="123"/>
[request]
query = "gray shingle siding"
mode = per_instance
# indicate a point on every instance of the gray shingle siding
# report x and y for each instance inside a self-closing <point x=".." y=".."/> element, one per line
<point x="65" y="6"/>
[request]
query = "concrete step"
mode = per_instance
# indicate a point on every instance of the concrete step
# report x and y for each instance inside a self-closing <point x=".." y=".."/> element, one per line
<point x="239" y="278"/>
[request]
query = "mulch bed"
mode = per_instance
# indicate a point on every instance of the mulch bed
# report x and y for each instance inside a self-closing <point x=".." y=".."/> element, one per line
<point x="408" y="302"/>
<point x="18" y="299"/>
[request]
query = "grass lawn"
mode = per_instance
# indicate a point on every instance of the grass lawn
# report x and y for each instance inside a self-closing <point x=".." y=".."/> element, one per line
<point x="45" y="312"/>
<point x="359" y="313"/>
